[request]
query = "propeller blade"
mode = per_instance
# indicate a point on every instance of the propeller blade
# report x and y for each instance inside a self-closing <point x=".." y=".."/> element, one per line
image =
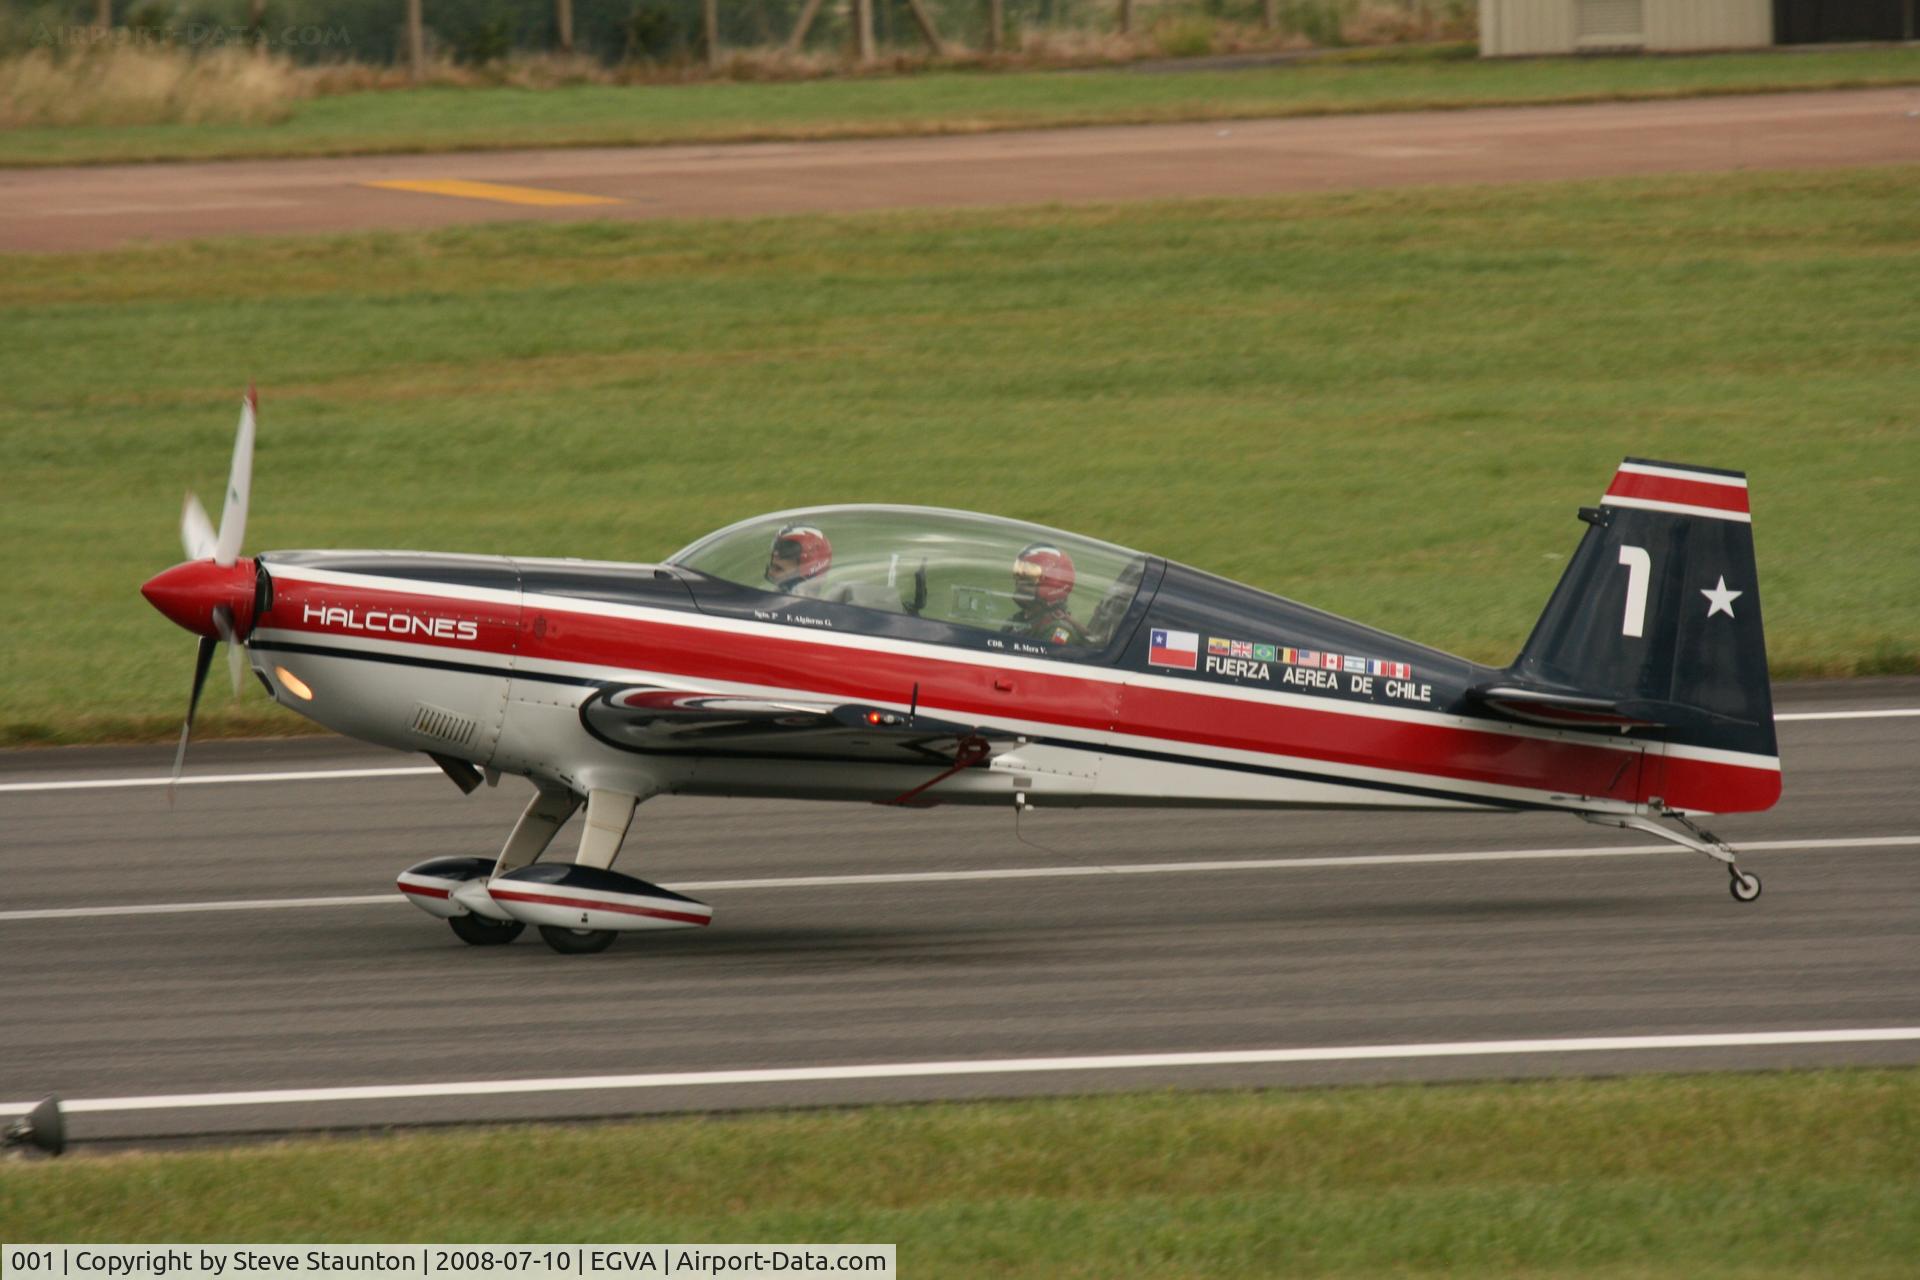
<point x="236" y="652"/>
<point x="233" y="514"/>
<point x="196" y="531"/>
<point x="201" y="662"/>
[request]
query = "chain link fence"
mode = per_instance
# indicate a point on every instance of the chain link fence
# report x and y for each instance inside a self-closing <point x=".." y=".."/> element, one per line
<point x="612" y="33"/>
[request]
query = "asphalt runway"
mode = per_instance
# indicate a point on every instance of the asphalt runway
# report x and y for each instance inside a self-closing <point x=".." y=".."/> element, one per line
<point x="99" y="207"/>
<point x="838" y="984"/>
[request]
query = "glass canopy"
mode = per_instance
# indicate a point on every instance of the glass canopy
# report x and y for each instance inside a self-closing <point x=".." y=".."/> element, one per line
<point x="946" y="566"/>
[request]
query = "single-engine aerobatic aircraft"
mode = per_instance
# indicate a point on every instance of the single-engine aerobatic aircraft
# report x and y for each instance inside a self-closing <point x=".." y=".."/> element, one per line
<point x="914" y="656"/>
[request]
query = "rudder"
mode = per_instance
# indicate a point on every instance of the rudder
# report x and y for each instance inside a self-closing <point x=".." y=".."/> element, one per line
<point x="1656" y="624"/>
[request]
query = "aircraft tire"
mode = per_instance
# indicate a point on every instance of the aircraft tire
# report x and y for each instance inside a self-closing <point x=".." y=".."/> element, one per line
<point x="478" y="931"/>
<point x="1745" y="886"/>
<point x="577" y="942"/>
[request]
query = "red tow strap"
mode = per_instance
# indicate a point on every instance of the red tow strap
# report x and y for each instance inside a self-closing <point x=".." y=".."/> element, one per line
<point x="971" y="751"/>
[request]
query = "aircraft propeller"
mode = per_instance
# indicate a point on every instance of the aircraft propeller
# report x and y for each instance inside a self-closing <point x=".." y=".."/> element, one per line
<point x="212" y="594"/>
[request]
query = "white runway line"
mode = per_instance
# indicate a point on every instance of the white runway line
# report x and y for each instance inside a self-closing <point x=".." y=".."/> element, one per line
<point x="996" y="1066"/>
<point x="419" y="771"/>
<point x="180" y="908"/>
<point x="1012" y="873"/>
<point x="211" y="779"/>
<point x="1285" y="864"/>
<point x="1845" y="715"/>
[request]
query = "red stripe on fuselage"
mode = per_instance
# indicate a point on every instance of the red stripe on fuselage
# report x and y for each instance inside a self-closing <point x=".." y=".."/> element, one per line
<point x="974" y="688"/>
<point x="1711" y="786"/>
<point x="1692" y="493"/>
<point x="1371" y="742"/>
<point x="994" y="693"/>
<point x="378" y="614"/>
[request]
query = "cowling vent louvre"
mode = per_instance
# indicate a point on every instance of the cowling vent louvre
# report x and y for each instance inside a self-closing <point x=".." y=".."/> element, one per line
<point x="447" y="726"/>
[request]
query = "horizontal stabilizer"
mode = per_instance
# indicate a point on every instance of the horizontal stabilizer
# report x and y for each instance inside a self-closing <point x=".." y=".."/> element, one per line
<point x="1572" y="709"/>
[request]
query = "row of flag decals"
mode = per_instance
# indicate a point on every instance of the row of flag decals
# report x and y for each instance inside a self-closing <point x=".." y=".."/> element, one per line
<point x="1182" y="649"/>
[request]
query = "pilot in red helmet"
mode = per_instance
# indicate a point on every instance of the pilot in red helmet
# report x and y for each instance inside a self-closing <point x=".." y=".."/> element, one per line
<point x="800" y="554"/>
<point x="1042" y="581"/>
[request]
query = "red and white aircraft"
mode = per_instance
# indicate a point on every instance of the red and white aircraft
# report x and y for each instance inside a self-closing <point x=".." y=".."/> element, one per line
<point x="908" y="655"/>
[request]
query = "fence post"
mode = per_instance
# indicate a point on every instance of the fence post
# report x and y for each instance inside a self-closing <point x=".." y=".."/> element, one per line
<point x="563" y="19"/>
<point x="710" y="21"/>
<point x="924" y="21"/>
<point x="996" y="21"/>
<point x="103" y="15"/>
<point x="1126" y="17"/>
<point x="416" y="41"/>
<point x="863" y="30"/>
<point x="1270" y="14"/>
<point x="799" y="36"/>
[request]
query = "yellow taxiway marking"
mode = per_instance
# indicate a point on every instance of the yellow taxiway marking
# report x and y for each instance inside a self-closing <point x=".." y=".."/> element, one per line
<point x="492" y="191"/>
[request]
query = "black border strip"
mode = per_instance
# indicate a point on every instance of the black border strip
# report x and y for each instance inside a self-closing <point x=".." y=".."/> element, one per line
<point x="1138" y="753"/>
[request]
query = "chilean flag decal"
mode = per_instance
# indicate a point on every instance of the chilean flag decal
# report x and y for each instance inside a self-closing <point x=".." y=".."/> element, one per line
<point x="1174" y="649"/>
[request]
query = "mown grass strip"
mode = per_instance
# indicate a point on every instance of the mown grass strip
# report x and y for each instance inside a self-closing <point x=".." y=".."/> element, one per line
<point x="1780" y="1174"/>
<point x="1387" y="404"/>
<point x="452" y="119"/>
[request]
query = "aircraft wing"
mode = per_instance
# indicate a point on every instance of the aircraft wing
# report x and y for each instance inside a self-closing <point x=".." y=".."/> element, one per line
<point x="649" y="719"/>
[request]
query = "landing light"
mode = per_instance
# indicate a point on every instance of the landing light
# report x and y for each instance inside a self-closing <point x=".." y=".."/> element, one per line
<point x="293" y="684"/>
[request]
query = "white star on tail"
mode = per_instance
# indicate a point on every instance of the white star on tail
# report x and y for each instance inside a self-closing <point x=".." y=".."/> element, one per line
<point x="1719" y="599"/>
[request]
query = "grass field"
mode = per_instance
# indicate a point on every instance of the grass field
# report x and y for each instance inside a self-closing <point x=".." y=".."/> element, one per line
<point x="940" y="102"/>
<point x="1385" y="404"/>
<point x="1788" y="1174"/>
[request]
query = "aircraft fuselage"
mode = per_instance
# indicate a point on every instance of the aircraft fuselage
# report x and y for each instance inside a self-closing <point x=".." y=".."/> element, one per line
<point x="1205" y="696"/>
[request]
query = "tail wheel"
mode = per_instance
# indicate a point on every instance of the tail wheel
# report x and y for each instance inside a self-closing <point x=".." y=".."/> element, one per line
<point x="1744" y="886"/>
<point x="576" y="942"/>
<point x="478" y="931"/>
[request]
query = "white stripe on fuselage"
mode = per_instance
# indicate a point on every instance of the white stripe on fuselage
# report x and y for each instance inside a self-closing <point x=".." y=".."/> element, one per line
<point x="928" y="653"/>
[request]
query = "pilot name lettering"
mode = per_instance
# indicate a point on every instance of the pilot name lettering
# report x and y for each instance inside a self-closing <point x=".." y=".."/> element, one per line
<point x="391" y="622"/>
<point x="1241" y="668"/>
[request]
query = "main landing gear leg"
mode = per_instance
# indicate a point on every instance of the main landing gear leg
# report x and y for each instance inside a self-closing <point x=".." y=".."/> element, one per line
<point x="1744" y="886"/>
<point x="609" y="814"/>
<point x="485" y="925"/>
<point x="579" y="906"/>
<point x="545" y="814"/>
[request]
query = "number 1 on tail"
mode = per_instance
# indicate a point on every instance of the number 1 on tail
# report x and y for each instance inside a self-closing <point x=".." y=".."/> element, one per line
<point x="1639" y="568"/>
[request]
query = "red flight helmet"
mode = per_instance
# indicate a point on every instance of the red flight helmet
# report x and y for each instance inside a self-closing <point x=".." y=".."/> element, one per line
<point x="1043" y="572"/>
<point x="806" y="547"/>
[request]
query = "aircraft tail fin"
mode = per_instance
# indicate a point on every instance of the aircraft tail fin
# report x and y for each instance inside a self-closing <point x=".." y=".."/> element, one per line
<point x="1655" y="625"/>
